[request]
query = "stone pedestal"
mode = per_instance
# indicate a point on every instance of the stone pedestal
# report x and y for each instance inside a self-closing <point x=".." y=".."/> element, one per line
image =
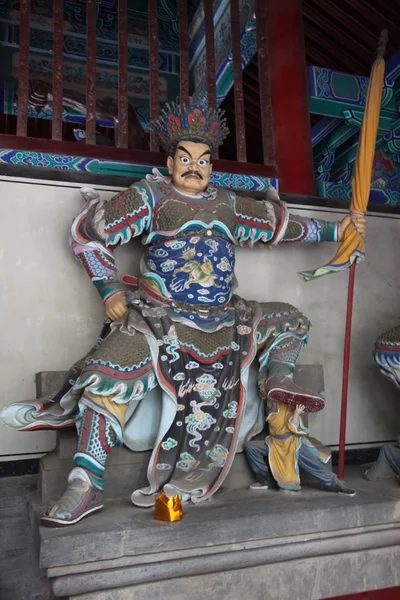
<point x="236" y="545"/>
<point x="243" y="544"/>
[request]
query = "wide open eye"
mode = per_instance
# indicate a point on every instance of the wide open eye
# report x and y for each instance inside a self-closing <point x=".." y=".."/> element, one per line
<point x="184" y="160"/>
<point x="203" y="162"/>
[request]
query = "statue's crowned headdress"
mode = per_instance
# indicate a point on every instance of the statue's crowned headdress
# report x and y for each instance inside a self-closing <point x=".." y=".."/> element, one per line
<point x="178" y="122"/>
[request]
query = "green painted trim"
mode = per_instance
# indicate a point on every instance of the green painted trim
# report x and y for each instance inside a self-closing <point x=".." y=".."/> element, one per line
<point x="334" y="108"/>
<point x="320" y="188"/>
<point x="124" y="169"/>
<point x="334" y="139"/>
<point x="355" y="117"/>
<point x="110" y="168"/>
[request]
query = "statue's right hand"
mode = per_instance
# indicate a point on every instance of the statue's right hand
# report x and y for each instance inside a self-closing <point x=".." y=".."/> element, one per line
<point x="116" y="306"/>
<point x="300" y="408"/>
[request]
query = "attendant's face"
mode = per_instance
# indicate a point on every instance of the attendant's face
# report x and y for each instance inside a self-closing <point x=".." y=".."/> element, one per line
<point x="190" y="167"/>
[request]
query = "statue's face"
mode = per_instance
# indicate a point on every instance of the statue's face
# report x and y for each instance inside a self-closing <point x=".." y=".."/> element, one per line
<point x="190" y="167"/>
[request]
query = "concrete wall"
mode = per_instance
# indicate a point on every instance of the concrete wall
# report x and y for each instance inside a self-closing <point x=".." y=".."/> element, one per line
<point x="51" y="314"/>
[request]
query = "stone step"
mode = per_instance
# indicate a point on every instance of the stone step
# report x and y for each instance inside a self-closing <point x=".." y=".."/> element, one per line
<point x="20" y="577"/>
<point x="12" y="534"/>
<point x="11" y="512"/>
<point x="22" y="589"/>
<point x="14" y="552"/>
<point x="237" y="545"/>
<point x="17" y="486"/>
<point x="9" y="501"/>
<point x="21" y="560"/>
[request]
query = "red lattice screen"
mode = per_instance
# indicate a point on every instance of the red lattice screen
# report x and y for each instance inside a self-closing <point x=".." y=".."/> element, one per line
<point x="23" y="133"/>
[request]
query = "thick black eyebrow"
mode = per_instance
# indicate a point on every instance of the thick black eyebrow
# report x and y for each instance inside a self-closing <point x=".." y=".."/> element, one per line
<point x="184" y="150"/>
<point x="206" y="152"/>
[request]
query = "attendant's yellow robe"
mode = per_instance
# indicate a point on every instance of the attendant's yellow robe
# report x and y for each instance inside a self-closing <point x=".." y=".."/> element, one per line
<point x="284" y="443"/>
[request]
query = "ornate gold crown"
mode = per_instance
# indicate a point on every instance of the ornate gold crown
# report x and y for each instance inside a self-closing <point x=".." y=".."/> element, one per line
<point x="197" y="120"/>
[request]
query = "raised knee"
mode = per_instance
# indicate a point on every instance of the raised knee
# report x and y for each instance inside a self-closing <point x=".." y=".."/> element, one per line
<point x="284" y="311"/>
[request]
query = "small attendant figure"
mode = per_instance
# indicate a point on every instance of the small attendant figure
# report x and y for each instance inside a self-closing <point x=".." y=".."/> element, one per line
<point x="277" y="460"/>
<point x="387" y="357"/>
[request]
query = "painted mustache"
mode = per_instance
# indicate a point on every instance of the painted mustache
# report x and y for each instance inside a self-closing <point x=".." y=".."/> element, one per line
<point x="196" y="173"/>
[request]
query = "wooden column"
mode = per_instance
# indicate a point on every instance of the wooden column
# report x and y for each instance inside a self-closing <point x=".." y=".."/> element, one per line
<point x="211" y="78"/>
<point x="91" y="72"/>
<point x="183" y="52"/>
<point x="238" y="83"/>
<point x="58" y="50"/>
<point x="289" y="96"/>
<point x="267" y="129"/>
<point x="23" y="68"/>
<point x="210" y="53"/>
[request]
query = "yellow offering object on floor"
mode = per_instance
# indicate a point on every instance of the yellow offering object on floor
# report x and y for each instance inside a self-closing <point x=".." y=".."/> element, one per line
<point x="168" y="509"/>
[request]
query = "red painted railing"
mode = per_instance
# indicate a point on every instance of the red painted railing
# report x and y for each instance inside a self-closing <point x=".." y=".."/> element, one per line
<point x="38" y="135"/>
<point x="23" y="79"/>
<point x="122" y="138"/>
<point x="153" y="51"/>
<point x="58" y="48"/>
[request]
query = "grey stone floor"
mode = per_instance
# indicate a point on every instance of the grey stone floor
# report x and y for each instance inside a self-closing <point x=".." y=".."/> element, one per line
<point x="20" y="577"/>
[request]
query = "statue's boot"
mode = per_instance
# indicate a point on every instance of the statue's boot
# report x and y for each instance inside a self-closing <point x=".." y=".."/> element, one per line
<point x="281" y="388"/>
<point x="84" y="493"/>
<point x="80" y="499"/>
<point x="263" y="481"/>
<point x="276" y="376"/>
<point x="341" y="488"/>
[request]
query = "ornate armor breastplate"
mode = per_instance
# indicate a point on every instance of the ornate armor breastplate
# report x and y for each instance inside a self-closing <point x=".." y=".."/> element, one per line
<point x="175" y="213"/>
<point x="196" y="267"/>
